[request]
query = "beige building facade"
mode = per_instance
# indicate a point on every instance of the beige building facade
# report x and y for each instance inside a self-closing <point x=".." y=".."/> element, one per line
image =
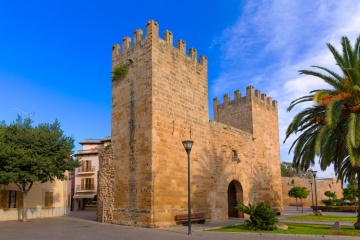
<point x="162" y="101"/>
<point x="84" y="187"/>
<point x="50" y="199"/>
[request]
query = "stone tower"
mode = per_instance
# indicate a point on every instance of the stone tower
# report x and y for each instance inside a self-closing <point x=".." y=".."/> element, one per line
<point x="256" y="114"/>
<point x="161" y="101"/>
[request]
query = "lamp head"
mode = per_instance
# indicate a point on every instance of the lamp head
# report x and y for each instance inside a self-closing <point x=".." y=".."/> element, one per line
<point x="314" y="173"/>
<point x="188" y="145"/>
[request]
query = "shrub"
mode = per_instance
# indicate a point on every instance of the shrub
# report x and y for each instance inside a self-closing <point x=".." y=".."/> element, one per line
<point x="119" y="72"/>
<point x="261" y="217"/>
<point x="331" y="195"/>
<point x="328" y="202"/>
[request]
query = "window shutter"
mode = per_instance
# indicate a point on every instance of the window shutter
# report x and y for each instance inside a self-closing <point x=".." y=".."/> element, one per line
<point x="92" y="184"/>
<point x="50" y="199"/>
<point x="46" y="199"/>
<point x="19" y="199"/>
<point x="82" y="183"/>
<point x="3" y="198"/>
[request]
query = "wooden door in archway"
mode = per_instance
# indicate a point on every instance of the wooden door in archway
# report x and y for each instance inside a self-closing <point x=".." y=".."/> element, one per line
<point x="232" y="212"/>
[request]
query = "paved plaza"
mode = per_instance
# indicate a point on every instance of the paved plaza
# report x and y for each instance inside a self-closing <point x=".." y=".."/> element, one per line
<point x="82" y="225"/>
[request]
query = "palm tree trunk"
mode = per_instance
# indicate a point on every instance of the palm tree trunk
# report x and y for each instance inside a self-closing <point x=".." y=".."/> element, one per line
<point x="24" y="218"/>
<point x="357" y="224"/>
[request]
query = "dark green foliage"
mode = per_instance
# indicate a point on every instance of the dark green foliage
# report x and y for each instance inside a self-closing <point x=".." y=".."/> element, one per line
<point x="119" y="72"/>
<point x="261" y="217"/>
<point x="328" y="202"/>
<point x="350" y="192"/>
<point x="331" y="195"/>
<point x="298" y="192"/>
<point x="31" y="154"/>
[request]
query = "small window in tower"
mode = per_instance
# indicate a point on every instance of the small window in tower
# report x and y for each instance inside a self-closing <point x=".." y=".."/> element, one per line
<point x="234" y="156"/>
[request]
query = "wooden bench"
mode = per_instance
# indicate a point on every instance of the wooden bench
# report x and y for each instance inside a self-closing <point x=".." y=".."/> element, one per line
<point x="195" y="217"/>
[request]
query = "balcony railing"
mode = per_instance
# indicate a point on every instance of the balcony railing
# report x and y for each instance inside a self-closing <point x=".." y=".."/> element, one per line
<point x="86" y="169"/>
<point x="86" y="187"/>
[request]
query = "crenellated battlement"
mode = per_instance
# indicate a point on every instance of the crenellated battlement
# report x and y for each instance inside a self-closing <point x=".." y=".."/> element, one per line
<point x="152" y="34"/>
<point x="251" y="95"/>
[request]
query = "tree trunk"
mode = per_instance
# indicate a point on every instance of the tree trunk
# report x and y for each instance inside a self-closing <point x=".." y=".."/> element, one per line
<point x="24" y="211"/>
<point x="357" y="224"/>
<point x="297" y="207"/>
<point x="302" y="207"/>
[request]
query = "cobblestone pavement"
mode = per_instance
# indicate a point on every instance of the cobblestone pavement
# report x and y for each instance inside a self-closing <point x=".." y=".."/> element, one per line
<point x="82" y="225"/>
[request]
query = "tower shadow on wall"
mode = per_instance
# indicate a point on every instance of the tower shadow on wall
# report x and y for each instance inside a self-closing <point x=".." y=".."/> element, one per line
<point x="209" y="182"/>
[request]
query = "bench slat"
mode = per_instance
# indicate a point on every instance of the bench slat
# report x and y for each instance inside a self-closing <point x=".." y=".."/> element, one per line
<point x="194" y="217"/>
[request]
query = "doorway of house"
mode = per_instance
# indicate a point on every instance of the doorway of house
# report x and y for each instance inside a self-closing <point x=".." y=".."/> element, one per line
<point x="235" y="197"/>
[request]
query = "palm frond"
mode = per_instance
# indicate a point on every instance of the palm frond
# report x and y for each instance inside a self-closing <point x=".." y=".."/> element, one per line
<point x="328" y="79"/>
<point x="333" y="111"/>
<point x="338" y="58"/>
<point x="307" y="98"/>
<point x="347" y="53"/>
<point x="354" y="129"/>
<point x="332" y="73"/>
<point x="353" y="76"/>
<point x="353" y="152"/>
<point x="318" y="96"/>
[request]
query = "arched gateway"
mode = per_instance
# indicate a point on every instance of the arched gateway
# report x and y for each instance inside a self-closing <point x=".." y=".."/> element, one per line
<point x="235" y="197"/>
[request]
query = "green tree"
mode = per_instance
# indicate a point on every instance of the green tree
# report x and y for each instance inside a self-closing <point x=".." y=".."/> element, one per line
<point x="330" y="194"/>
<point x="287" y="170"/>
<point x="350" y="193"/>
<point x="330" y="128"/>
<point x="29" y="154"/>
<point x="331" y="198"/>
<point x="298" y="192"/>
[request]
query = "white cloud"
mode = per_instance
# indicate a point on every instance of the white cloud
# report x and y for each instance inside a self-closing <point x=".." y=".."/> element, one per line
<point x="273" y="40"/>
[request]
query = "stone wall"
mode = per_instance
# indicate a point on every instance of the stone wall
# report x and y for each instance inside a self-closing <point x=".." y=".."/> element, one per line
<point x="163" y="100"/>
<point x="106" y="180"/>
<point x="322" y="185"/>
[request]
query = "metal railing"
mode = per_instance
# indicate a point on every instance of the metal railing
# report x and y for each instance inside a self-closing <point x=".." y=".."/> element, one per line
<point x="85" y="187"/>
<point x="86" y="169"/>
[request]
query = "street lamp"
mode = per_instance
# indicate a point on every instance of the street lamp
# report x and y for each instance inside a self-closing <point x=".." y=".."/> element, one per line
<point x="314" y="174"/>
<point x="312" y="197"/>
<point x="188" y="145"/>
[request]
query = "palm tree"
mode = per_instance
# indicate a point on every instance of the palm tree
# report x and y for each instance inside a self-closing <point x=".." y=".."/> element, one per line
<point x="330" y="128"/>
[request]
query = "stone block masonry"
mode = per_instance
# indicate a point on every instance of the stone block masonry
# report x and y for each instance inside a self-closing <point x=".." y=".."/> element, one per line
<point x="322" y="185"/>
<point x="163" y="100"/>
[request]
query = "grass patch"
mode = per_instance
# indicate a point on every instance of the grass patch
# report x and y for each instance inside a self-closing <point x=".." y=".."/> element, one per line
<point x="298" y="228"/>
<point x="323" y="218"/>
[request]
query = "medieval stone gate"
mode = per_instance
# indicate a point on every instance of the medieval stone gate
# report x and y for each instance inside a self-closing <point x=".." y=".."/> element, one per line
<point x="163" y="100"/>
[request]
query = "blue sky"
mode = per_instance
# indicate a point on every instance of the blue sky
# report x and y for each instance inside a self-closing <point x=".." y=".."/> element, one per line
<point x="55" y="56"/>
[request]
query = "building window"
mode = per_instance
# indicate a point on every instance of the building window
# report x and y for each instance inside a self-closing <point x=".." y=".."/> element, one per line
<point x="86" y="166"/>
<point x="234" y="156"/>
<point x="48" y="199"/>
<point x="11" y="199"/>
<point x="87" y="184"/>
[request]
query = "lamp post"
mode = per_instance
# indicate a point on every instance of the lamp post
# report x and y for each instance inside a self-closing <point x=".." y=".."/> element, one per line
<point x="314" y="175"/>
<point x="312" y="197"/>
<point x="188" y="145"/>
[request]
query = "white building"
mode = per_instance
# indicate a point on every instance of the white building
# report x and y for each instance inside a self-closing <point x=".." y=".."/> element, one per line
<point x="84" y="186"/>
